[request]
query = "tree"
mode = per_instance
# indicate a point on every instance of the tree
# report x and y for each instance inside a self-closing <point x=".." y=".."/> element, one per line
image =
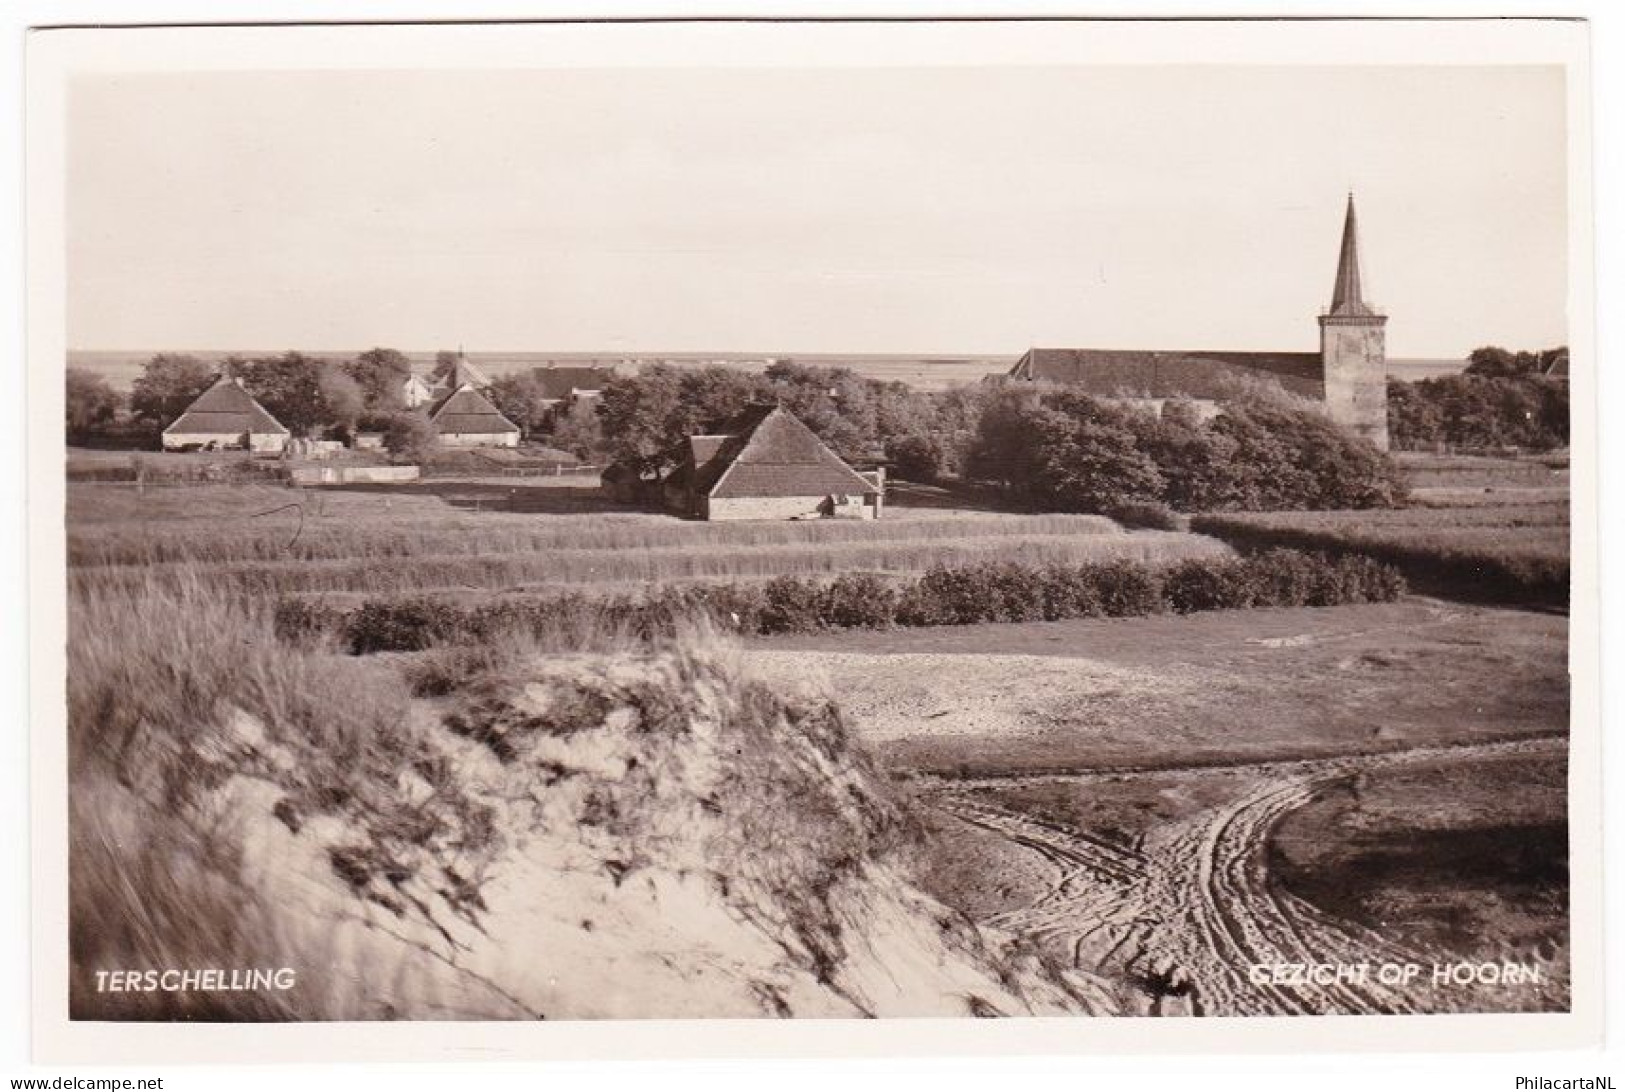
<point x="343" y="398"/>
<point x="1502" y="399"/>
<point x="579" y="431"/>
<point x="381" y="374"/>
<point x="1088" y="465"/>
<point x="290" y="388"/>
<point x="1195" y="461"/>
<point x="445" y="362"/>
<point x="410" y="437"/>
<point x="91" y="403"/>
<point x="168" y="383"/>
<point x="524" y="399"/>
<point x="921" y="457"/>
<point x="1494" y="362"/>
<point x="1295" y="459"/>
<point x="1060" y="448"/>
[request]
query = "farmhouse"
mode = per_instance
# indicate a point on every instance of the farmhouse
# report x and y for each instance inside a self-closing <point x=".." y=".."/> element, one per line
<point x="416" y="391"/>
<point x="1348" y="375"/>
<point x="226" y="417"/>
<point x="466" y="418"/>
<point x="768" y="465"/>
<point x="461" y="373"/>
<point x="564" y="384"/>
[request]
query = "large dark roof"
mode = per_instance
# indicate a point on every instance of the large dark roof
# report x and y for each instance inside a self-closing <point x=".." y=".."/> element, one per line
<point x="768" y="452"/>
<point x="563" y="381"/>
<point x="226" y="409"/>
<point x="467" y="411"/>
<point x="1201" y="374"/>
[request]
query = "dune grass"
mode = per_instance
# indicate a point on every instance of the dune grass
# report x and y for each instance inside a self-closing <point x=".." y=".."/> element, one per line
<point x="180" y="691"/>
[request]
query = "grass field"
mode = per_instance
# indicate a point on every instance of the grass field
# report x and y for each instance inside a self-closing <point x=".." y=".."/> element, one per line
<point x="500" y="537"/>
<point x="1481" y="529"/>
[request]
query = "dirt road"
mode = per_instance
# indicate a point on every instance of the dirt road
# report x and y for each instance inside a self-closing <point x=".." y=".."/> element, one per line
<point x="1191" y="912"/>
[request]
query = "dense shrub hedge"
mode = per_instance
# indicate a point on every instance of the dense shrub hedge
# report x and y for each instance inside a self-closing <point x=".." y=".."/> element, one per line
<point x="964" y="595"/>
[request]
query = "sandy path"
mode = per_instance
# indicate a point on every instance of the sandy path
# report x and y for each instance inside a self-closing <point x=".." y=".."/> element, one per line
<point x="1193" y="909"/>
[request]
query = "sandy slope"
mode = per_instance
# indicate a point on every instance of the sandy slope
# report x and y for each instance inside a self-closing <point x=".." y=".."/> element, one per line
<point x="672" y="841"/>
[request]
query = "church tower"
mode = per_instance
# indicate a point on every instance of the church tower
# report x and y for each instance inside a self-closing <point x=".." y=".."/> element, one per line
<point x="1353" y="350"/>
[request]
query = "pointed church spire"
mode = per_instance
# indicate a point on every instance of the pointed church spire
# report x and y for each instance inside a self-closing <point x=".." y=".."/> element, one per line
<point x="1347" y="298"/>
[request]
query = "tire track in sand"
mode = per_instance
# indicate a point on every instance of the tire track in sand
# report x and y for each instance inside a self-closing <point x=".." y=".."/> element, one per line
<point x="1194" y="910"/>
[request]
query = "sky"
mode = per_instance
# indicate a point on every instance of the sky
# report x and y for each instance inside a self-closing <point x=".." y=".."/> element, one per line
<point x="880" y="210"/>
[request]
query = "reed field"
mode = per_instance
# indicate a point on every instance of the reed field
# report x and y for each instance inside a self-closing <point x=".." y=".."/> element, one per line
<point x="263" y="540"/>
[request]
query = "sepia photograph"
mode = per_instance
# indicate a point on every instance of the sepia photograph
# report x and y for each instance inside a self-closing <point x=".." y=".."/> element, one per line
<point x="599" y="523"/>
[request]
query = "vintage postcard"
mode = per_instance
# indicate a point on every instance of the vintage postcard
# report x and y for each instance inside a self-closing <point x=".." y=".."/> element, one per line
<point x="637" y="538"/>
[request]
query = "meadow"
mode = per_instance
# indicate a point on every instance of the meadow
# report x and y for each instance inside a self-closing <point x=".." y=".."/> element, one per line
<point x="265" y="539"/>
<point x="1480" y="529"/>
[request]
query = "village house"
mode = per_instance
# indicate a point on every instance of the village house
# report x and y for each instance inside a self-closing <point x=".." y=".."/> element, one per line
<point x="768" y="465"/>
<point x="416" y="391"/>
<point x="226" y="417"/>
<point x="1348" y="376"/>
<point x="563" y="385"/>
<point x="467" y="418"/>
<point x="461" y="374"/>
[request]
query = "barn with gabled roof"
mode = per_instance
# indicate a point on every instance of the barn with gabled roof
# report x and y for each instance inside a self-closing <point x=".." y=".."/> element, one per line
<point x="226" y="417"/>
<point x="467" y="418"/>
<point x="767" y="464"/>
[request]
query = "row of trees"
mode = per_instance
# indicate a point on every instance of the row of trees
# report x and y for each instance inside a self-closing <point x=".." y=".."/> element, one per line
<point x="644" y="418"/>
<point x="1502" y="400"/>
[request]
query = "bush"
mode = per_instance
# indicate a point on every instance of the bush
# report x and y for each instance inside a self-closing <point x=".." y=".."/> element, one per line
<point x="789" y="605"/>
<point x="1127" y="589"/>
<point x="1071" y="591"/>
<point x="1149" y="515"/>
<point x="1211" y="584"/>
<point x="858" y="601"/>
<point x="403" y="626"/>
<point x="963" y="595"/>
<point x="410" y="437"/>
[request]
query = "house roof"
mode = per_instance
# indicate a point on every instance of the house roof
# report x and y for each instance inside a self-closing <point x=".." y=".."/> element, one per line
<point x="770" y="453"/>
<point x="1144" y="373"/>
<point x="226" y="408"/>
<point x="563" y="381"/>
<point x="467" y="411"/>
<point x="463" y="373"/>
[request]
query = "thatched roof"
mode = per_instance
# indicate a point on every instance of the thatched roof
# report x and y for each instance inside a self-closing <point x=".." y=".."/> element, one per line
<point x="466" y="411"/>
<point x="561" y="381"/>
<point x="226" y="409"/>
<point x="769" y="453"/>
